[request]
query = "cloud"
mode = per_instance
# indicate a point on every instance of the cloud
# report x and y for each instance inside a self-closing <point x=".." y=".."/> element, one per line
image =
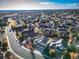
<point x="73" y="5"/>
<point x="47" y="3"/>
<point x="28" y="4"/>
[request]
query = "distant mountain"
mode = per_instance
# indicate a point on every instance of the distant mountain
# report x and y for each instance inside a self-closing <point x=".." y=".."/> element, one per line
<point x="7" y="10"/>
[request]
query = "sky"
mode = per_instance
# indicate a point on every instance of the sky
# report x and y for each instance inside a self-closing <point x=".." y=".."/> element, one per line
<point x="38" y="4"/>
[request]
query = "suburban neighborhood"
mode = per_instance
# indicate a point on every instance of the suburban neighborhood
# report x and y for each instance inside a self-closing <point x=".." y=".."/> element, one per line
<point x="39" y="34"/>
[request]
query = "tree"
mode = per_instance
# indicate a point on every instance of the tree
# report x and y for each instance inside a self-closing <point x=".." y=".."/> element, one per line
<point x="77" y="36"/>
<point x="71" y="48"/>
<point x="8" y="54"/>
<point x="5" y="45"/>
<point x="52" y="52"/>
<point x="66" y="56"/>
<point x="17" y="33"/>
<point x="2" y="23"/>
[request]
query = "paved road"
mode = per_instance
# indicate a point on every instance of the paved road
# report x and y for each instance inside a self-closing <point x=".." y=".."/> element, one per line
<point x="19" y="50"/>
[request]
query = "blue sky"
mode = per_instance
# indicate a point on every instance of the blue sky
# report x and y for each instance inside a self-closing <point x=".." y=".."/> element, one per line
<point x="64" y="1"/>
<point x="38" y="4"/>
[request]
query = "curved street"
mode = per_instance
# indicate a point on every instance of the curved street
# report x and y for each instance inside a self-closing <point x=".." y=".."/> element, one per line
<point x="19" y="50"/>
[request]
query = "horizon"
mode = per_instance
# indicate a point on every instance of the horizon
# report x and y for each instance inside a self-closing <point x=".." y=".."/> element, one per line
<point x="1" y="11"/>
<point x="40" y="9"/>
